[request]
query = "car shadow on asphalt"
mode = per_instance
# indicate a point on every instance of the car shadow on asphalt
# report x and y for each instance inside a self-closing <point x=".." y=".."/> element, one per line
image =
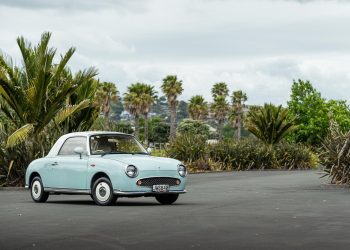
<point x="118" y="203"/>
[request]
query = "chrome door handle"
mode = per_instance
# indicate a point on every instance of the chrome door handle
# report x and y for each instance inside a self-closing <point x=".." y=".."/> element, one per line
<point x="54" y="164"/>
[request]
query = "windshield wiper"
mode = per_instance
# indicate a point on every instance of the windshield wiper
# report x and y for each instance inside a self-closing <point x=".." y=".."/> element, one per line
<point x="141" y="153"/>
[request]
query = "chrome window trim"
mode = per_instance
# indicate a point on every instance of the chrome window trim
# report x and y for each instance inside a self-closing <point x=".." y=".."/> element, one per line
<point x="75" y="136"/>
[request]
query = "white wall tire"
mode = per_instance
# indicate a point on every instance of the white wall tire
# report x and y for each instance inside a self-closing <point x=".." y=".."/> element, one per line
<point x="102" y="192"/>
<point x="37" y="190"/>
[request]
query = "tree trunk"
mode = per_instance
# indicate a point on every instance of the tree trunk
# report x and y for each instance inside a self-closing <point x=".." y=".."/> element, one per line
<point x="238" y="120"/>
<point x="220" y="123"/>
<point x="145" y="133"/>
<point x="137" y="127"/>
<point x="172" y="122"/>
<point x="106" y="109"/>
<point x="238" y="124"/>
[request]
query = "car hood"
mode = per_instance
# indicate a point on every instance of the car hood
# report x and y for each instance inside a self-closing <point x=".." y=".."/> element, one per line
<point x="145" y="162"/>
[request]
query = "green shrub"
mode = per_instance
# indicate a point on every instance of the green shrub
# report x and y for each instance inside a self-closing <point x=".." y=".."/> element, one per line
<point x="243" y="155"/>
<point x="194" y="127"/>
<point x="295" y="156"/>
<point x="335" y="155"/>
<point x="251" y="154"/>
<point x="159" y="153"/>
<point x="188" y="148"/>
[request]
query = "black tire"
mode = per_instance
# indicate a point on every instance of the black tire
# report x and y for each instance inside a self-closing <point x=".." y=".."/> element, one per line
<point x="37" y="190"/>
<point x="102" y="192"/>
<point x="167" y="199"/>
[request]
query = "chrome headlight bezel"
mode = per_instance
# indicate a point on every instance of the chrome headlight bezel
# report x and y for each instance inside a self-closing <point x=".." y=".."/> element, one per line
<point x="131" y="174"/>
<point x="182" y="170"/>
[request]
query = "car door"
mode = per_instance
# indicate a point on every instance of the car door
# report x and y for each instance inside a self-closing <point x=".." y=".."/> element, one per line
<point x="68" y="169"/>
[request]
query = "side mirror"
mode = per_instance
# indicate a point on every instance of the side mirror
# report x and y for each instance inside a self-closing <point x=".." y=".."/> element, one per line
<point x="149" y="150"/>
<point x="79" y="151"/>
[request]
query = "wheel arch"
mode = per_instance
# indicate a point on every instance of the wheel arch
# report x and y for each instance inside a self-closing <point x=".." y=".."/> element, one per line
<point x="97" y="176"/>
<point x="32" y="176"/>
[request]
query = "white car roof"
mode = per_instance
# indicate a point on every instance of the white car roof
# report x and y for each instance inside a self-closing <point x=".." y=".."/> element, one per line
<point x="57" y="146"/>
<point x="88" y="133"/>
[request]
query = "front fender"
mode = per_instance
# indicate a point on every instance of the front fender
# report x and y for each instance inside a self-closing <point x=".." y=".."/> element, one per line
<point x="115" y="170"/>
<point x="34" y="166"/>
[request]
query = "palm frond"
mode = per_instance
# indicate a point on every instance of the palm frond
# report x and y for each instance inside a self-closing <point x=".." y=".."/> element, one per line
<point x="20" y="135"/>
<point x="71" y="110"/>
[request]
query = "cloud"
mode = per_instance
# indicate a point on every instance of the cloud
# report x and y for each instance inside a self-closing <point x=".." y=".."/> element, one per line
<point x="76" y="5"/>
<point x="254" y="45"/>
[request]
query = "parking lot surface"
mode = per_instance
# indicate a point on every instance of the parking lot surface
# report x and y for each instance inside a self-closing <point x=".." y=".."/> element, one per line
<point x="236" y="210"/>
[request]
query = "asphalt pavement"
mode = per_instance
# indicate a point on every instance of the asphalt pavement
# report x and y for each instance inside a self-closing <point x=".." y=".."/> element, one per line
<point x="236" y="210"/>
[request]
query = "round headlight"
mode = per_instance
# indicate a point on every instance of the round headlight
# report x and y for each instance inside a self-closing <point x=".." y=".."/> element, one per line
<point x="131" y="171"/>
<point x="182" y="170"/>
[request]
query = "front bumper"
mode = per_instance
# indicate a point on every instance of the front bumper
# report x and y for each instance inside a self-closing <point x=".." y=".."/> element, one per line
<point x="143" y="193"/>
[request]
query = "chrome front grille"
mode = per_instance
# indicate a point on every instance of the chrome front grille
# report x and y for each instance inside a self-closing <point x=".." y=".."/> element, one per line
<point x="149" y="182"/>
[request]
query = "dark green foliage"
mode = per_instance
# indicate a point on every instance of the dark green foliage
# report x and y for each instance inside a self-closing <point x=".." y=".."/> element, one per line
<point x="228" y="131"/>
<point x="310" y="110"/>
<point x="194" y="127"/>
<point x="339" y="112"/>
<point x="295" y="156"/>
<point x="244" y="154"/>
<point x="40" y="101"/>
<point x="252" y="154"/>
<point x="188" y="148"/>
<point x="335" y="155"/>
<point x="313" y="113"/>
<point x="161" y="107"/>
<point x="117" y="108"/>
<point x="270" y="124"/>
<point x="159" y="132"/>
<point x="182" y="111"/>
<point x="121" y="126"/>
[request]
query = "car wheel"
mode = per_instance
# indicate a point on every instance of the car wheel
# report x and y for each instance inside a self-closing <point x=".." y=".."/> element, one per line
<point x="37" y="190"/>
<point x="167" y="199"/>
<point x="102" y="192"/>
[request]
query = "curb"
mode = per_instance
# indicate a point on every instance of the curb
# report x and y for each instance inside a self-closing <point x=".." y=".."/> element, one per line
<point x="12" y="189"/>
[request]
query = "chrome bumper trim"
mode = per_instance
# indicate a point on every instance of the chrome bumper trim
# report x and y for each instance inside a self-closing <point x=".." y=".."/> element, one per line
<point x="67" y="190"/>
<point x="118" y="192"/>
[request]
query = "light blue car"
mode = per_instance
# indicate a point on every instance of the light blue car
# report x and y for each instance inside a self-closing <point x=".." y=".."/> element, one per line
<point x="105" y="165"/>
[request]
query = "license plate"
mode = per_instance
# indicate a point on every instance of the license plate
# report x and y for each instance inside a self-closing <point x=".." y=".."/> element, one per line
<point x="160" y="188"/>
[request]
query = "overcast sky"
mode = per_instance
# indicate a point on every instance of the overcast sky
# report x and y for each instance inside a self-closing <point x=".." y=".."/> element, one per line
<point x="258" y="46"/>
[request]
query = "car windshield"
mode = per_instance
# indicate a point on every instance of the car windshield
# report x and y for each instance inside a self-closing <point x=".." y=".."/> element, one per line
<point x="115" y="144"/>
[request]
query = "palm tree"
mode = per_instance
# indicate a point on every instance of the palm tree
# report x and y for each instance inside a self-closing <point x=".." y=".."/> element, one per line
<point x="35" y="95"/>
<point x="220" y="109"/>
<point x="83" y="119"/>
<point x="198" y="107"/>
<point x="138" y="101"/>
<point x="238" y="99"/>
<point x="172" y="88"/>
<point x="149" y="99"/>
<point x="106" y="94"/>
<point x="269" y="123"/>
<point x="219" y="89"/>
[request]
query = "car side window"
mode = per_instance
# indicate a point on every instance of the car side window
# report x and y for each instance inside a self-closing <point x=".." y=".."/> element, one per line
<point x="71" y="143"/>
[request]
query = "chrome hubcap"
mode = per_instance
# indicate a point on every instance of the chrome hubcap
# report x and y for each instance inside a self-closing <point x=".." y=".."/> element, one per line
<point x="102" y="191"/>
<point x="36" y="189"/>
